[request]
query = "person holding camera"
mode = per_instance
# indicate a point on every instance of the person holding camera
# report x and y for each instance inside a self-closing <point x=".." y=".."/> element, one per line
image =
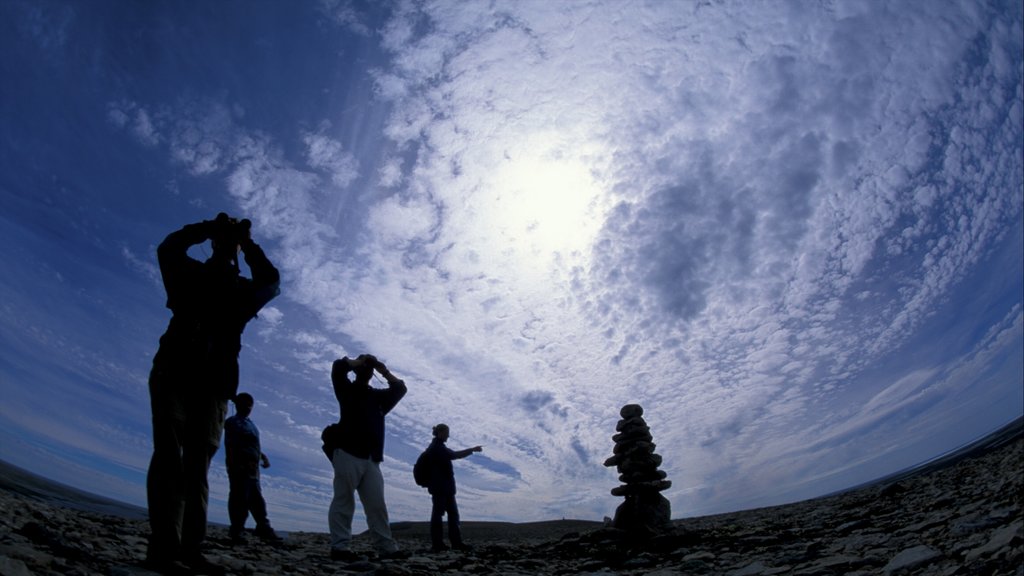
<point x="356" y="451"/>
<point x="194" y="373"/>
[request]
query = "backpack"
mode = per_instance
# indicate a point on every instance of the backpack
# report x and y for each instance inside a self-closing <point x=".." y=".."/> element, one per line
<point x="331" y="437"/>
<point x="421" y="470"/>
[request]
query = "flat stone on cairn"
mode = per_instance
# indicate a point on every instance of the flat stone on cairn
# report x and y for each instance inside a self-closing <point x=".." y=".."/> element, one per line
<point x="645" y="511"/>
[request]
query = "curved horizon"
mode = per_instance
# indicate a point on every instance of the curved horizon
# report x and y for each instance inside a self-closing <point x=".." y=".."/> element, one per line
<point x="791" y="232"/>
<point x="19" y="479"/>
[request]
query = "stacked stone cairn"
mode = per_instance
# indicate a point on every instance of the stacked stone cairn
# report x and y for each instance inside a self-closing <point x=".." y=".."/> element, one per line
<point x="645" y="511"/>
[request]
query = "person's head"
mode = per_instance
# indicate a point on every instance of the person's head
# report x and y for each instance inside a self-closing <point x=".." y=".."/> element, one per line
<point x="244" y="403"/>
<point x="363" y="367"/>
<point x="441" y="432"/>
<point x="227" y="238"/>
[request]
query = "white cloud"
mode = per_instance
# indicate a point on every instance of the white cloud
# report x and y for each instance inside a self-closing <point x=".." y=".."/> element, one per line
<point x="727" y="213"/>
<point x="326" y="153"/>
<point x="345" y="14"/>
<point x="200" y="136"/>
<point x="136" y="119"/>
<point x="147" y="268"/>
<point x="742" y="165"/>
<point x="390" y="173"/>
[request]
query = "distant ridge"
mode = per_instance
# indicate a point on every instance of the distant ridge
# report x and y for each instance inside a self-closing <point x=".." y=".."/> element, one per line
<point x="974" y="449"/>
<point x="21" y="481"/>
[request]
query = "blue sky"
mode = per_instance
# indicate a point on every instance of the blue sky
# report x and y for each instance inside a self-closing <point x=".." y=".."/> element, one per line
<point x="792" y="231"/>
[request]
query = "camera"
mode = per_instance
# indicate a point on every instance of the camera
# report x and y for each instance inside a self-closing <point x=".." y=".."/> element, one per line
<point x="229" y="232"/>
<point x="361" y="361"/>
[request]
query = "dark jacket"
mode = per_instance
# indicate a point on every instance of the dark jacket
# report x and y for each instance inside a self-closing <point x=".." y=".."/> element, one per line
<point x="211" y="304"/>
<point x="442" y="474"/>
<point x="361" y="427"/>
<point x="242" y="444"/>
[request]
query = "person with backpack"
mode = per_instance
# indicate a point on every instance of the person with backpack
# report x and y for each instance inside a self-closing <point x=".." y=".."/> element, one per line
<point x="355" y="447"/>
<point x="433" y="470"/>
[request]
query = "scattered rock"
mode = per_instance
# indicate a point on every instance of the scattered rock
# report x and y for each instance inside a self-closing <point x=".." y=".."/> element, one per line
<point x="1001" y="539"/>
<point x="13" y="567"/>
<point x="910" y="558"/>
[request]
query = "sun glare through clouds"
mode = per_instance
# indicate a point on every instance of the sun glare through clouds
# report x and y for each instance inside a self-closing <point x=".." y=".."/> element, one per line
<point x="549" y="200"/>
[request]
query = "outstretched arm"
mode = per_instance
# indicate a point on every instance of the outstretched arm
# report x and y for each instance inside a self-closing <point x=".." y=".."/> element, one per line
<point x="466" y="452"/>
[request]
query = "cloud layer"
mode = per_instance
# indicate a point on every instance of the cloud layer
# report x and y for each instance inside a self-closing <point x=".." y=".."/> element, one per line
<point x="791" y="232"/>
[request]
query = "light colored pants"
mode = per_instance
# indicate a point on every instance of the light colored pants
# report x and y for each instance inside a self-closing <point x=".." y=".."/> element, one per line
<point x="360" y="475"/>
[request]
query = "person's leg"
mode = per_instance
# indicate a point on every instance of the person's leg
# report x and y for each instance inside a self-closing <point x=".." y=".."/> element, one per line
<point x="206" y="423"/>
<point x="371" y="493"/>
<point x="436" y="525"/>
<point x="454" y="529"/>
<point x="343" y="505"/>
<point x="238" y="509"/>
<point x="258" y="507"/>
<point x="164" y="481"/>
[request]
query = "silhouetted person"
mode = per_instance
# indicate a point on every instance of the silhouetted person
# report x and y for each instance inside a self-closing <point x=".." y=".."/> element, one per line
<point x="195" y="372"/>
<point x="441" y="485"/>
<point x="244" y="457"/>
<point x="358" y="451"/>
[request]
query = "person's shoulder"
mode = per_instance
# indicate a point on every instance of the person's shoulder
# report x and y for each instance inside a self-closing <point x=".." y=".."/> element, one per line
<point x="442" y="449"/>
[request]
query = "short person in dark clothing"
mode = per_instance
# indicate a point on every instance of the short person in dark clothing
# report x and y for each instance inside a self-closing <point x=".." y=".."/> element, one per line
<point x="195" y="372"/>
<point x="244" y="458"/>
<point x="441" y="486"/>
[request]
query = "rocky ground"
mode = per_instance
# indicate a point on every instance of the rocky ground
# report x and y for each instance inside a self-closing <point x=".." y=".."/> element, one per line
<point x="963" y="519"/>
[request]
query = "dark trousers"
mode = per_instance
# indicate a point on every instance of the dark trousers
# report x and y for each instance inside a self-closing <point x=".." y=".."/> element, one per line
<point x="444" y="504"/>
<point x="245" y="497"/>
<point x="186" y="434"/>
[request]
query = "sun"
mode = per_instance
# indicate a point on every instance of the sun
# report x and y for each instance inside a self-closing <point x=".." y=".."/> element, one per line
<point x="548" y="198"/>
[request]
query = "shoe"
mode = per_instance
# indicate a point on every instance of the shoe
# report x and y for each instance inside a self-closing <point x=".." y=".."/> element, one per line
<point x="345" y="555"/>
<point x="198" y="564"/>
<point x="267" y="534"/>
<point x="438" y="548"/>
<point x="394" y="555"/>
<point x="237" y="537"/>
<point x="462" y="547"/>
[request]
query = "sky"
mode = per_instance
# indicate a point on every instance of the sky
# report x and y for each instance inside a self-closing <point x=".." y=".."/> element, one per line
<point x="791" y="231"/>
